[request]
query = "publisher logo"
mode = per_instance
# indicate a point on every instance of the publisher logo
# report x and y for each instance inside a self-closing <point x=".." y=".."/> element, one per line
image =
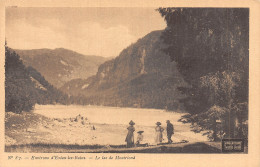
<point x="232" y="145"/>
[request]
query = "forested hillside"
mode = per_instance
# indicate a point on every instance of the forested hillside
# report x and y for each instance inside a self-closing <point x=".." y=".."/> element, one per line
<point x="141" y="76"/>
<point x="24" y="87"/>
<point x="75" y="87"/>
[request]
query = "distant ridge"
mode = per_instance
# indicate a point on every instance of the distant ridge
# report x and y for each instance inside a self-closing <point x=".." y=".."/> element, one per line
<point x="60" y="65"/>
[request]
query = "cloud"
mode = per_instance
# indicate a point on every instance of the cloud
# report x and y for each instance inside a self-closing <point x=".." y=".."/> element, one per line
<point x="22" y="35"/>
<point x="89" y="38"/>
<point x="103" y="41"/>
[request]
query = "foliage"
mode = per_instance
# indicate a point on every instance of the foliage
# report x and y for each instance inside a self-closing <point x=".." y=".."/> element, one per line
<point x="206" y="40"/>
<point x="24" y="87"/>
<point x="210" y="46"/>
<point x="19" y="95"/>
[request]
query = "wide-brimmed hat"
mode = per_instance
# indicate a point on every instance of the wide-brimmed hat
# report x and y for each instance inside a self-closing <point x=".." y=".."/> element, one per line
<point x="140" y="131"/>
<point x="158" y="123"/>
<point x="168" y="121"/>
<point x="131" y="122"/>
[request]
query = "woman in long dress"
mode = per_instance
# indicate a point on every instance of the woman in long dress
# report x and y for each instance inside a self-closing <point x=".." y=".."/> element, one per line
<point x="158" y="133"/>
<point x="130" y="135"/>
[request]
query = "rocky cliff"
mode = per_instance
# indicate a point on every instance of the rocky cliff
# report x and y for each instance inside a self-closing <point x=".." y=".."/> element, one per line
<point x="141" y="76"/>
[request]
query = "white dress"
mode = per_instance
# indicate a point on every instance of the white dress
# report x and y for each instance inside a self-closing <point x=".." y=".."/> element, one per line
<point x="158" y="134"/>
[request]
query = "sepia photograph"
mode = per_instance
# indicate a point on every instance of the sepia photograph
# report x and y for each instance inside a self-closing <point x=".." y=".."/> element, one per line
<point x="161" y="80"/>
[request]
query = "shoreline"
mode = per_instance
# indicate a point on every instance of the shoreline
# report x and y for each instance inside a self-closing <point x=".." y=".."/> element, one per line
<point x="196" y="147"/>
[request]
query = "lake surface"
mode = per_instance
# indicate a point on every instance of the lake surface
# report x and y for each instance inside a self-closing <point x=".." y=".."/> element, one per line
<point x="110" y="115"/>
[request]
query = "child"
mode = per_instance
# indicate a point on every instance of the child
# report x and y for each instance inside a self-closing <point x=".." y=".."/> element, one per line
<point x="139" y="137"/>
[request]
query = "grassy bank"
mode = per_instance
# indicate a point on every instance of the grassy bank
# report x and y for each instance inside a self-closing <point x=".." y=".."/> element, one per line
<point x="198" y="147"/>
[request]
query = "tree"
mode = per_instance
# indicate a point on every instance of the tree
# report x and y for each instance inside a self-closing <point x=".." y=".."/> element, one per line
<point x="19" y="89"/>
<point x="24" y="86"/>
<point x="210" y="47"/>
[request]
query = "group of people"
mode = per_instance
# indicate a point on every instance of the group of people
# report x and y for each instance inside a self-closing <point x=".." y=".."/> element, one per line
<point x="158" y="134"/>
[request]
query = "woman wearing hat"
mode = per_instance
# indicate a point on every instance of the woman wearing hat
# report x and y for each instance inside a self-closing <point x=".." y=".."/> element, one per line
<point x="130" y="135"/>
<point x="140" y="137"/>
<point x="158" y="133"/>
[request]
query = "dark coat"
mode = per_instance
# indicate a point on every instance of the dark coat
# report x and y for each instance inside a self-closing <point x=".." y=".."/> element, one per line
<point x="170" y="128"/>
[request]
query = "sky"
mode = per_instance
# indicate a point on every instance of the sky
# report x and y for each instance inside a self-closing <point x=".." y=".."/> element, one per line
<point x="90" y="31"/>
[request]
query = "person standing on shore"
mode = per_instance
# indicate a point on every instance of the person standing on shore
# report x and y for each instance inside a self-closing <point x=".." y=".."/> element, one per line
<point x="158" y="131"/>
<point x="170" y="131"/>
<point x="130" y="135"/>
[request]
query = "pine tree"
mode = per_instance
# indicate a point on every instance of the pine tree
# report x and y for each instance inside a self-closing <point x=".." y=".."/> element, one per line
<point x="210" y="47"/>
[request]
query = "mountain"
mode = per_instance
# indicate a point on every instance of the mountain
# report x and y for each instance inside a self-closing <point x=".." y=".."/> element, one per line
<point x="141" y="76"/>
<point x="75" y="86"/>
<point x="24" y="86"/>
<point x="60" y="65"/>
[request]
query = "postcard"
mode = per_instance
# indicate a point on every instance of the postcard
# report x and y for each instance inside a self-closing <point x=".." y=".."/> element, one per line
<point x="113" y="83"/>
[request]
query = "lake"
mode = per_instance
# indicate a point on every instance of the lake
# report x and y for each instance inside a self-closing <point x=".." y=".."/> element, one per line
<point x="111" y="123"/>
